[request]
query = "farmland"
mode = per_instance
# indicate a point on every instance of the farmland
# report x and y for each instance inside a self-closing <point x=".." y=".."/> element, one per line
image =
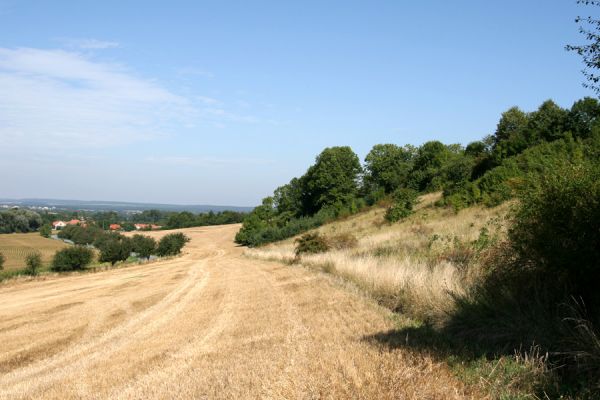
<point x="16" y="246"/>
<point x="209" y="324"/>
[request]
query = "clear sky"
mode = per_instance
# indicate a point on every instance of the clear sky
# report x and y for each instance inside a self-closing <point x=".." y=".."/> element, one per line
<point x="220" y="102"/>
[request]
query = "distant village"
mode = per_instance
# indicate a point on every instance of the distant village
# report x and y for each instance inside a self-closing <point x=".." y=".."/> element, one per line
<point x="58" y="225"/>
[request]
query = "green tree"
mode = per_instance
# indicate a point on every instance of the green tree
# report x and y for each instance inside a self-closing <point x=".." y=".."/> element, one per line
<point x="584" y="118"/>
<point x="404" y="201"/>
<point x="143" y="245"/>
<point x="72" y="258"/>
<point x="547" y="123"/>
<point x="388" y="166"/>
<point x="590" y="52"/>
<point x="171" y="244"/>
<point x="46" y="230"/>
<point x="33" y="263"/>
<point x="332" y="180"/>
<point x="114" y="249"/>
<point x="288" y="198"/>
<point x="511" y="133"/>
<point x="431" y="158"/>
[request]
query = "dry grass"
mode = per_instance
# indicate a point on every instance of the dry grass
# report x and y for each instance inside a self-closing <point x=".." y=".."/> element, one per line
<point x="416" y="265"/>
<point x="209" y="324"/>
<point x="16" y="247"/>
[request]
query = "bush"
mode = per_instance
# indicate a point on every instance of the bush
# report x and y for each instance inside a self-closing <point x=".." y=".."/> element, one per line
<point x="557" y="230"/>
<point x="72" y="258"/>
<point x="45" y="230"/>
<point x="114" y="249"/>
<point x="311" y="243"/>
<point x="33" y="263"/>
<point x="171" y="244"/>
<point x="2" y="261"/>
<point x="143" y="246"/>
<point x="404" y="201"/>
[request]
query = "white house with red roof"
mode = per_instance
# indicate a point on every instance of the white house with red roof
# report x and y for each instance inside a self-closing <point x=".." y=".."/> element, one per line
<point x="58" y="224"/>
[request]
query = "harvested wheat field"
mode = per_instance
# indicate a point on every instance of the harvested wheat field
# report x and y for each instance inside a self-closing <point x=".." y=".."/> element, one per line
<point x="16" y="247"/>
<point x="209" y="324"/>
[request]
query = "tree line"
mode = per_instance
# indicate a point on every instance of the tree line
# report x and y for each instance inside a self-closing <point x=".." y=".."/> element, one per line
<point x="490" y="171"/>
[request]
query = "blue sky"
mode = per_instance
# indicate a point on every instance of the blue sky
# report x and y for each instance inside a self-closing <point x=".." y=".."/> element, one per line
<point x="221" y="102"/>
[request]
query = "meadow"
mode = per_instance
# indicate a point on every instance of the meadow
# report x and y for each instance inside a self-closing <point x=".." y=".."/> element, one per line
<point x="16" y="247"/>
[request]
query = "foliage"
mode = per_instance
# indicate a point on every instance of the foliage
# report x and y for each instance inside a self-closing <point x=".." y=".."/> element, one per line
<point x="114" y="248"/>
<point x="33" y="263"/>
<point x="171" y="244"/>
<point x="404" y="200"/>
<point x="19" y="220"/>
<point x="46" y="230"/>
<point x="187" y="219"/>
<point x="556" y="229"/>
<point x="2" y="261"/>
<point x="589" y="52"/>
<point x="143" y="245"/>
<point x="332" y="181"/>
<point x="311" y="243"/>
<point x="388" y="166"/>
<point x="82" y="235"/>
<point x="72" y="258"/>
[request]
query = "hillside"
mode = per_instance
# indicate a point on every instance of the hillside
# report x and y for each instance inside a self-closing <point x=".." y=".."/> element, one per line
<point x="416" y="264"/>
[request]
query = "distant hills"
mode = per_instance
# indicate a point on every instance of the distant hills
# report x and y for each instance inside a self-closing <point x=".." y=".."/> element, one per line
<point x="120" y="206"/>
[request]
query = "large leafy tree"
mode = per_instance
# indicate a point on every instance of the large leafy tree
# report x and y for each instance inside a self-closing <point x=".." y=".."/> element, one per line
<point x="332" y="180"/>
<point x="388" y="166"/>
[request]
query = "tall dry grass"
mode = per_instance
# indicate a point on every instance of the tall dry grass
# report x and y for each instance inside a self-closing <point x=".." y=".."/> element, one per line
<point x="416" y="266"/>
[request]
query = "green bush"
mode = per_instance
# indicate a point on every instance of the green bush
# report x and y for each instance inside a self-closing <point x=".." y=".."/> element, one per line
<point x="114" y="249"/>
<point x="404" y="201"/>
<point x="557" y="229"/>
<point x="143" y="246"/>
<point x="171" y="244"/>
<point x="311" y="243"/>
<point x="2" y="261"/>
<point x="72" y="258"/>
<point x="33" y="263"/>
<point x="45" y="230"/>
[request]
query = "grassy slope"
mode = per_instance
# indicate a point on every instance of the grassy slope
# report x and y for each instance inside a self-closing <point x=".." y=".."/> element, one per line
<point x="16" y="246"/>
<point x="416" y="267"/>
<point x="413" y="265"/>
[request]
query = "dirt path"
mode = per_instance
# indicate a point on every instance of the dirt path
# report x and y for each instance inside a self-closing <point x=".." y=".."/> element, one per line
<point x="209" y="324"/>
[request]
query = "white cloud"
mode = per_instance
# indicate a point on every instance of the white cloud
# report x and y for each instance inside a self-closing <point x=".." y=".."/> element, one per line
<point x="58" y="99"/>
<point x="52" y="101"/>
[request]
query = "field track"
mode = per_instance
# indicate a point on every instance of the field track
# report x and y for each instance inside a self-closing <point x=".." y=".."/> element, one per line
<point x="209" y="324"/>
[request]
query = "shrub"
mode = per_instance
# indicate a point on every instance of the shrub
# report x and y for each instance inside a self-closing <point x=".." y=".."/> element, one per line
<point x="115" y="248"/>
<point x="33" y="263"/>
<point x="171" y="244"/>
<point x="143" y="245"/>
<point x="311" y="243"/>
<point x="404" y="201"/>
<point x="2" y="261"/>
<point x="45" y="230"/>
<point x="556" y="229"/>
<point x="72" y="258"/>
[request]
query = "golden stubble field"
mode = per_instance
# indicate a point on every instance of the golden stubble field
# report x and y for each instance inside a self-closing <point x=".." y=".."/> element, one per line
<point x="16" y="246"/>
<point x="209" y="324"/>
